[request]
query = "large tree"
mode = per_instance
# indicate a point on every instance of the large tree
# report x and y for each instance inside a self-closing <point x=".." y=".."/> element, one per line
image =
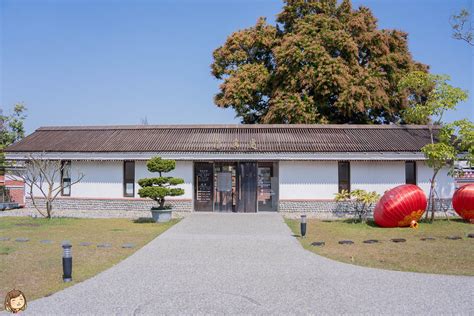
<point x="323" y="62"/>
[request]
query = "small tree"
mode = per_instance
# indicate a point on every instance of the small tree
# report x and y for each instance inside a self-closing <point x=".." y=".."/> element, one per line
<point x="11" y="130"/>
<point x="159" y="188"/>
<point x="462" y="27"/>
<point x="448" y="143"/>
<point x="362" y="201"/>
<point x="44" y="176"/>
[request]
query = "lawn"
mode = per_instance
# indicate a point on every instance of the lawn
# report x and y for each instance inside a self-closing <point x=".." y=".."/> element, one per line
<point x="36" y="268"/>
<point x="440" y="255"/>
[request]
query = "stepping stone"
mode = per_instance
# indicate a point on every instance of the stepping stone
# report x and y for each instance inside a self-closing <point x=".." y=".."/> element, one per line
<point x="318" y="243"/>
<point x="128" y="246"/>
<point x="398" y="240"/>
<point x="85" y="243"/>
<point x="46" y="241"/>
<point x="427" y="238"/>
<point x="4" y="238"/>
<point x="346" y="242"/>
<point x="453" y="237"/>
<point x="22" y="239"/>
<point x="371" y="241"/>
<point x="104" y="245"/>
<point x="471" y="235"/>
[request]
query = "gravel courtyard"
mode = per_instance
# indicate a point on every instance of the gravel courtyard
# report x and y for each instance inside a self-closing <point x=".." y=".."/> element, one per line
<point x="251" y="264"/>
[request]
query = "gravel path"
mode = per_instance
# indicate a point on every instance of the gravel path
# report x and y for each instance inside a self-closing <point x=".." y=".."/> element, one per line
<point x="251" y="264"/>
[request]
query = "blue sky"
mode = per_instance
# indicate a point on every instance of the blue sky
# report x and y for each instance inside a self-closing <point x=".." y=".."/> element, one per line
<point x="83" y="62"/>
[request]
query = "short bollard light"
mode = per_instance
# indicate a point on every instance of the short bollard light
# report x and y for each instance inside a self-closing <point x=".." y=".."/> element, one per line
<point x="303" y="225"/>
<point x="67" y="261"/>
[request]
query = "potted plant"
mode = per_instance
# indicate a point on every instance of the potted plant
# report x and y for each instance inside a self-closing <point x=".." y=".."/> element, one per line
<point x="160" y="187"/>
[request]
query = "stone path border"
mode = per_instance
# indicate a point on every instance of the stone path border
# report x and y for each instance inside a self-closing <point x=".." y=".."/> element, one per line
<point x="398" y="240"/>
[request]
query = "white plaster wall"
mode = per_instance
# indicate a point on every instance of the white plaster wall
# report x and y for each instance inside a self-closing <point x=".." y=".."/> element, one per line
<point x="378" y="176"/>
<point x="45" y="186"/>
<point x="184" y="170"/>
<point x="308" y="180"/>
<point x="445" y="184"/>
<point x="102" y="179"/>
<point x="299" y="180"/>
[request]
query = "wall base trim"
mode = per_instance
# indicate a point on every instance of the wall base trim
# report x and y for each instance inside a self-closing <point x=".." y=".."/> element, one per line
<point x="106" y="204"/>
<point x="322" y="209"/>
<point x="330" y="209"/>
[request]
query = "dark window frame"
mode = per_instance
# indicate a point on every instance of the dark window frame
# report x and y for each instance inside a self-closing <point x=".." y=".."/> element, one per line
<point x="340" y="184"/>
<point x="65" y="164"/>
<point x="415" y="175"/>
<point x="127" y="180"/>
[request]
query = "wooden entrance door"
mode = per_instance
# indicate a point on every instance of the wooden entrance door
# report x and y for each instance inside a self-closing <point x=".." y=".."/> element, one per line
<point x="247" y="193"/>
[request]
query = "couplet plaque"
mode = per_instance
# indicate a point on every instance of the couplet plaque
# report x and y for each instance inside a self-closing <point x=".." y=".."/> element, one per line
<point x="204" y="186"/>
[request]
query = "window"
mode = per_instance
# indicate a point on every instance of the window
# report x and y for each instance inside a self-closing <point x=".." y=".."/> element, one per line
<point x="66" y="178"/>
<point x="344" y="175"/>
<point x="129" y="178"/>
<point x="410" y="172"/>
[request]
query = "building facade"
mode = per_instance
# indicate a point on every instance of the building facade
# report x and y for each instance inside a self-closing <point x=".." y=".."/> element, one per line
<point x="234" y="168"/>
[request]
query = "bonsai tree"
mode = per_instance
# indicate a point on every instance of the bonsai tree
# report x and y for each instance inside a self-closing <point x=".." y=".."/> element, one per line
<point x="159" y="188"/>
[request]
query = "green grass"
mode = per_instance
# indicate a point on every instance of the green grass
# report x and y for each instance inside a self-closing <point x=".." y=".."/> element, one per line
<point x="434" y="256"/>
<point x="36" y="268"/>
<point x="6" y="250"/>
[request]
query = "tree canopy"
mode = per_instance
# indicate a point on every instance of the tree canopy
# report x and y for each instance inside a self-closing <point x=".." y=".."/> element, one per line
<point x="323" y="62"/>
<point x="11" y="126"/>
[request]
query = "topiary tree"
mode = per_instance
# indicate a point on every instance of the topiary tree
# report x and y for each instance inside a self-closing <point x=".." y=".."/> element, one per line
<point x="159" y="188"/>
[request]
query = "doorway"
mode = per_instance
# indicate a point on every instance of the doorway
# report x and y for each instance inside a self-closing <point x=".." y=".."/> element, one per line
<point x="244" y="187"/>
<point x="225" y="187"/>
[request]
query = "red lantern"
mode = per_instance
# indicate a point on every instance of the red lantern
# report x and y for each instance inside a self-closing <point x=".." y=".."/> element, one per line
<point x="463" y="202"/>
<point x="399" y="206"/>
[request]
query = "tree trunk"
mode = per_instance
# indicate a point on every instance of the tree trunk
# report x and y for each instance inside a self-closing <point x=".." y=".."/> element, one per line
<point x="431" y="200"/>
<point x="49" y="208"/>
<point x="162" y="203"/>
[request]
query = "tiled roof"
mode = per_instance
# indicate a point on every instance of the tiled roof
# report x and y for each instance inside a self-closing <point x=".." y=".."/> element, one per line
<point x="226" y="138"/>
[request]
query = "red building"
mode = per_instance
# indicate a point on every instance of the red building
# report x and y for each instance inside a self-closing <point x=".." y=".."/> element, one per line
<point x="14" y="190"/>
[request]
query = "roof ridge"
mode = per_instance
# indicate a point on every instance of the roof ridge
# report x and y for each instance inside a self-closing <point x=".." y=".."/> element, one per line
<point x="225" y="138"/>
<point x="232" y="126"/>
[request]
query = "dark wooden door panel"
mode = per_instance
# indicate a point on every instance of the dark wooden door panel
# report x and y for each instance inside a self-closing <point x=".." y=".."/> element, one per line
<point x="248" y="187"/>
